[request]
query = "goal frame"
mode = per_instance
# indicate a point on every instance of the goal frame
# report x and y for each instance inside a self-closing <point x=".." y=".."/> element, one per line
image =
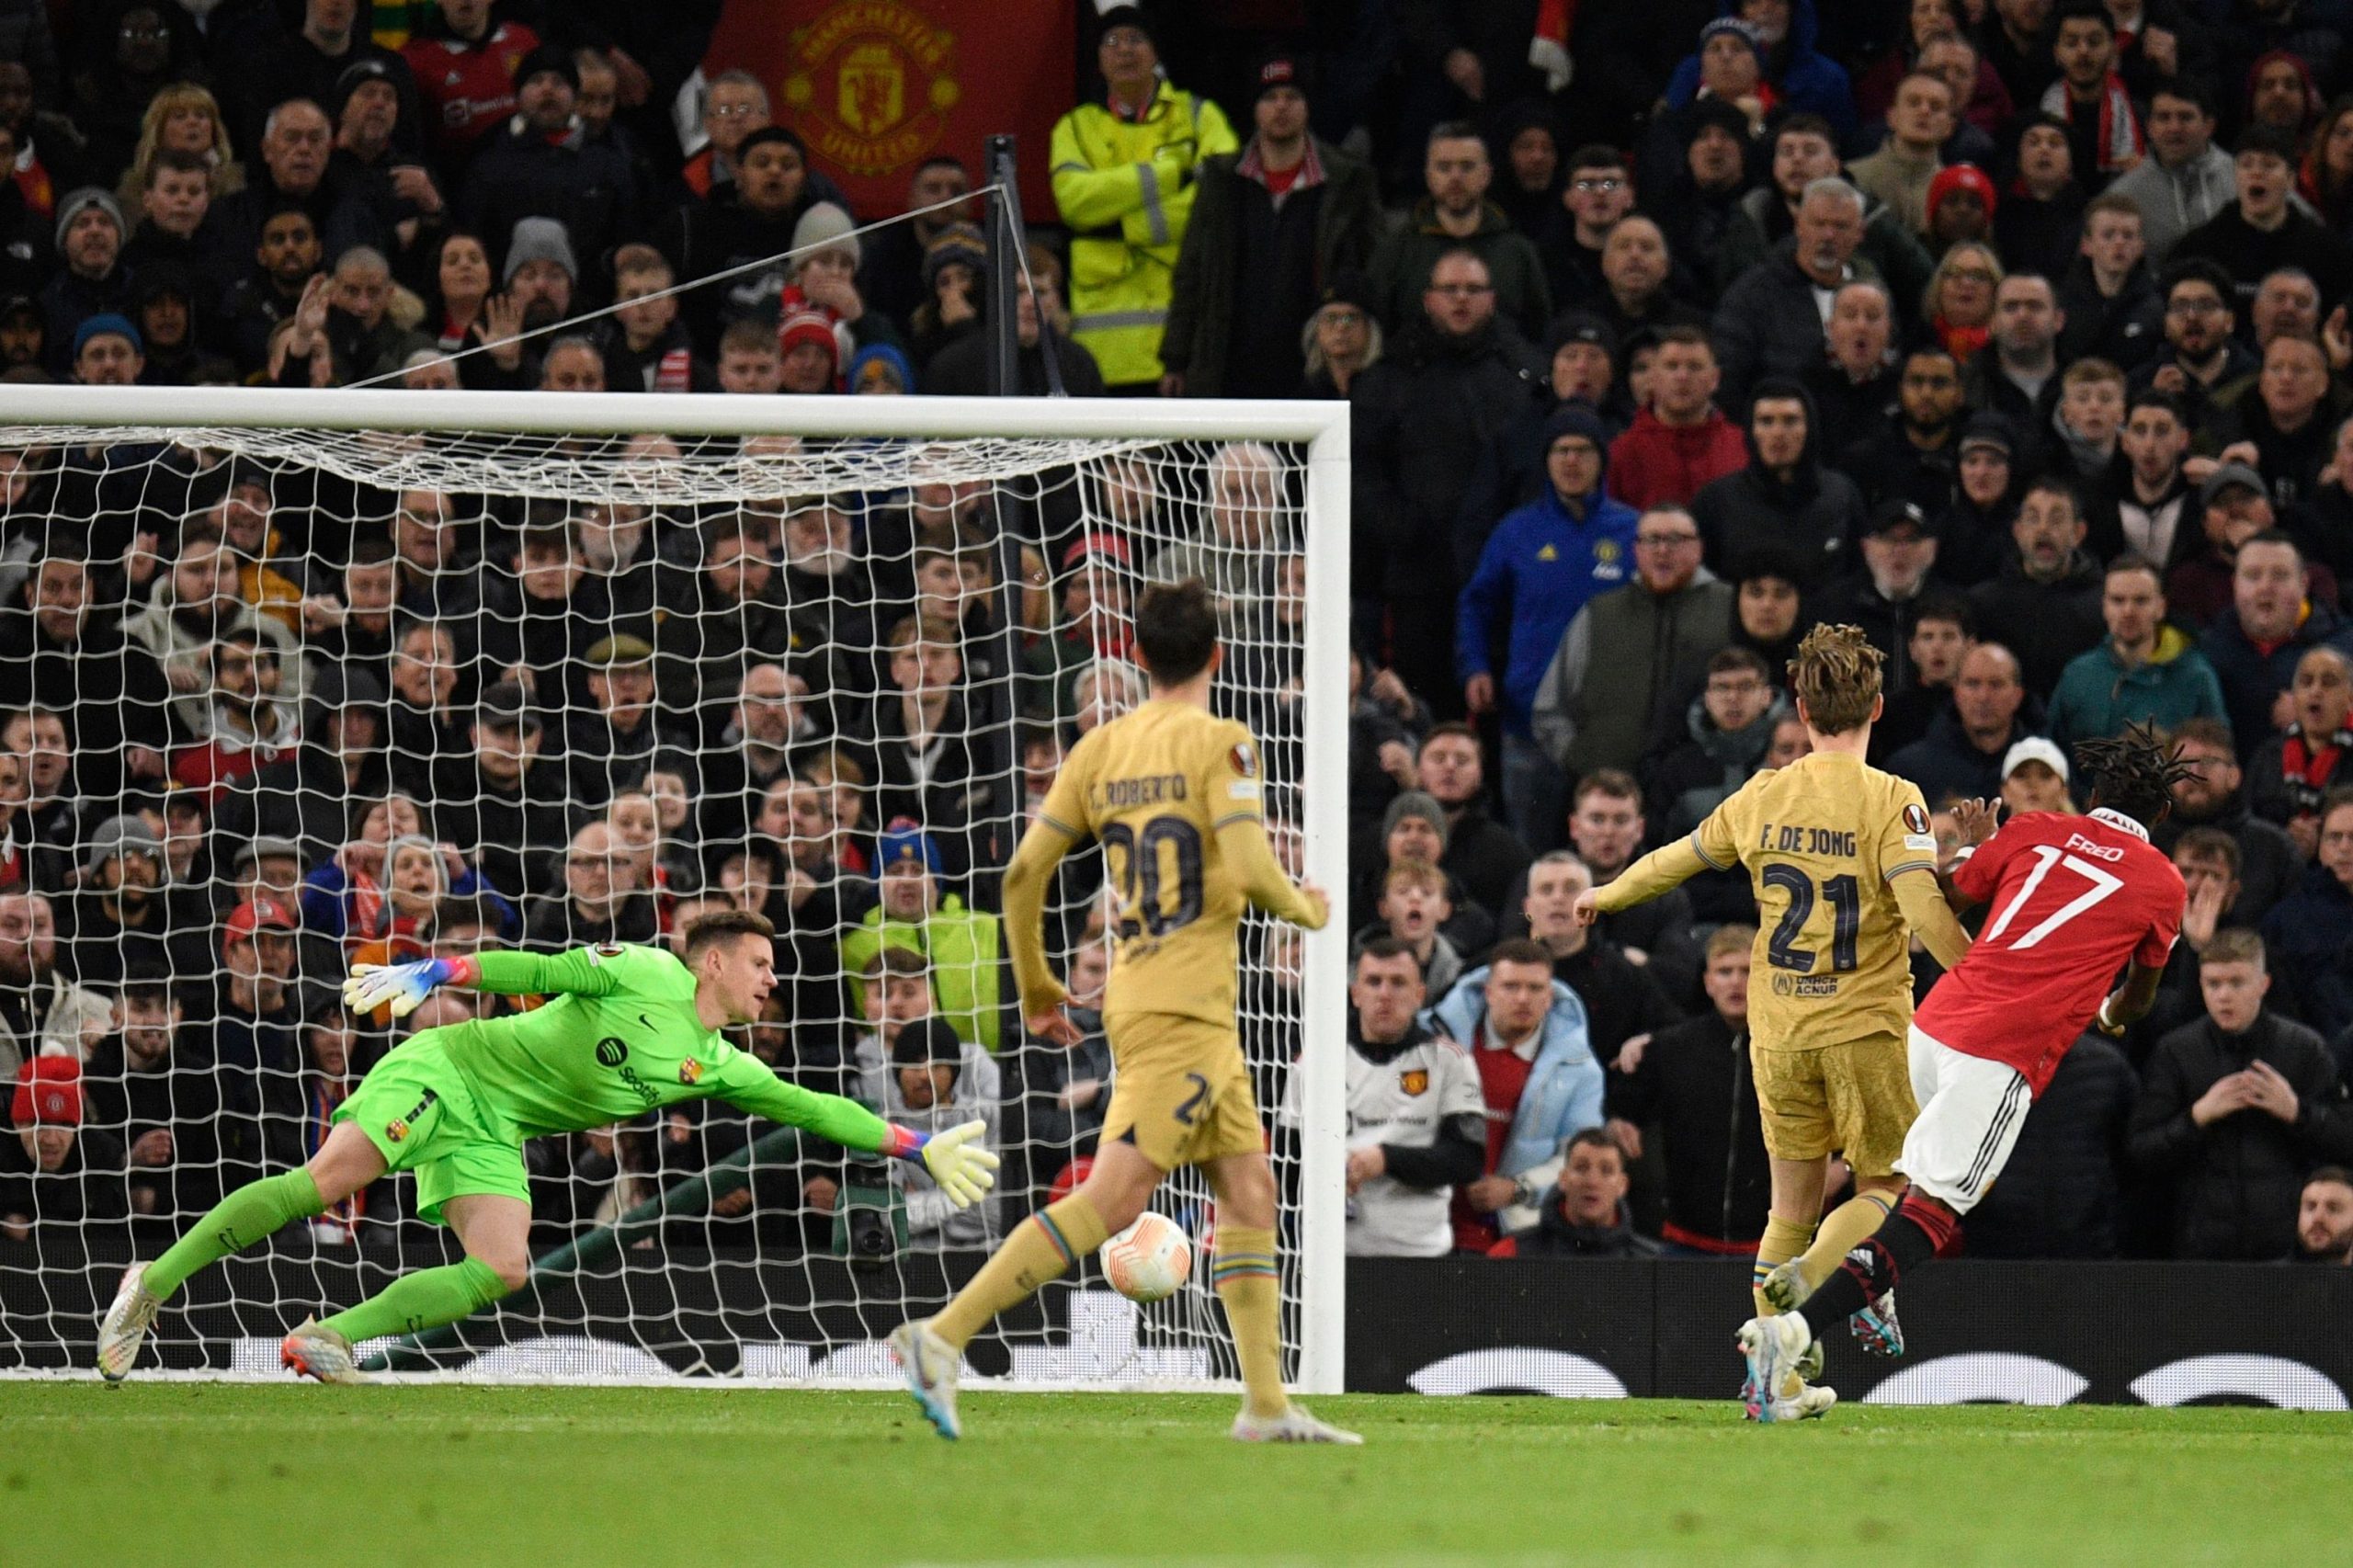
<point x="1323" y="427"/>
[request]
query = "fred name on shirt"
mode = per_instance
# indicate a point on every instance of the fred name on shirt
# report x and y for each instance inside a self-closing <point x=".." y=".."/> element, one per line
<point x="1794" y="840"/>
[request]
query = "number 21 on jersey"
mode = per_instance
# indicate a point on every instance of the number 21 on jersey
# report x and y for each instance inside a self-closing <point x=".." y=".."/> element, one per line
<point x="2103" y="885"/>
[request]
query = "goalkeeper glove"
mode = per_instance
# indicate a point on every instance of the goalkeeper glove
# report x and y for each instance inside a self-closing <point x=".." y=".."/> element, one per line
<point x="959" y="1168"/>
<point x="400" y="986"/>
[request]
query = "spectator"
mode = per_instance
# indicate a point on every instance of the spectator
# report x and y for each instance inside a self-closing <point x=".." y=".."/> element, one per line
<point x="1691" y="1083"/>
<point x="143" y="1089"/>
<point x="1599" y="192"/>
<point x="2294" y="769"/>
<point x="540" y="166"/>
<point x="1652" y="635"/>
<point x="2262" y="231"/>
<point x="1412" y="907"/>
<point x="1958" y="304"/>
<point x="1784" y="500"/>
<point x="1584" y="1214"/>
<point x="2324" y="1218"/>
<point x="1961" y="755"/>
<point x="2148" y="671"/>
<point x="1271" y="227"/>
<point x="1899" y="554"/>
<point x="2236" y="1109"/>
<point x="2040" y="225"/>
<point x="256" y="1058"/>
<point x="1130" y="162"/>
<point x="2153" y="501"/>
<point x="1622" y="1000"/>
<point x="1417" y="1126"/>
<point x="2187" y="180"/>
<point x="2255" y="645"/>
<point x="1860" y="383"/>
<point x="965" y="945"/>
<point x="1942" y="630"/>
<point x="1723" y="740"/>
<point x="2200" y="354"/>
<point x="938" y="1081"/>
<point x="1918" y="125"/>
<point x="1456" y="216"/>
<point x="1071" y="1088"/>
<point x="1341" y="339"/>
<point x="2103" y="126"/>
<point x="2311" y="930"/>
<point x="1679" y="440"/>
<point x="71" y="656"/>
<point x="94" y="283"/>
<point x="1802" y="77"/>
<point x="2208" y="795"/>
<point x="2108" y="292"/>
<point x="2034" y="778"/>
<point x="2019" y="380"/>
<point x="651" y="351"/>
<point x="42" y="1010"/>
<point x="1770" y="321"/>
<point x="1607" y="829"/>
<point x="1699" y="199"/>
<point x="464" y="70"/>
<point x="60" y="1185"/>
<point x="938" y="195"/>
<point x="2235" y="506"/>
<point x="2064" y="1191"/>
<point x="2284" y="425"/>
<point x="297" y="150"/>
<point x="194" y="608"/>
<point x="1540" y="566"/>
<point x="2286" y="305"/>
<point x="1526" y="1034"/>
<point x="734" y="104"/>
<point x="1423" y="416"/>
<point x="1482" y="854"/>
<point x="749" y="219"/>
<point x="1804" y="149"/>
<point x="599" y="903"/>
<point x="2046" y="605"/>
<point x="119" y="923"/>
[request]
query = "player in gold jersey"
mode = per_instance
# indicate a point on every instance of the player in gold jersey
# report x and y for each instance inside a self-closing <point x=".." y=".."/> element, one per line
<point x="1845" y="868"/>
<point x="1172" y="793"/>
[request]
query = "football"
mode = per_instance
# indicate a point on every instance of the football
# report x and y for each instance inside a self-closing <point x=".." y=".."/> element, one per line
<point x="1150" y="1259"/>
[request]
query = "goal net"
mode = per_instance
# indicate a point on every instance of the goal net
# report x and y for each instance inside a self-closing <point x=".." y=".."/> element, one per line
<point x="292" y="682"/>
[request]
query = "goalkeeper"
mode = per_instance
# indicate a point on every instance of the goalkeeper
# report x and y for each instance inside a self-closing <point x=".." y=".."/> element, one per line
<point x="630" y="1029"/>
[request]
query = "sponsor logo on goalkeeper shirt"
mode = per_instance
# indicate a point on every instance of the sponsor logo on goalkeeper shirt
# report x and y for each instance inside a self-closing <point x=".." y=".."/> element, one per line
<point x="611" y="1051"/>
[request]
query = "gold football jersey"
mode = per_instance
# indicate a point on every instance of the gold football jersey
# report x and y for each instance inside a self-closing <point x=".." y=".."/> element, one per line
<point x="1155" y="785"/>
<point x="1822" y="840"/>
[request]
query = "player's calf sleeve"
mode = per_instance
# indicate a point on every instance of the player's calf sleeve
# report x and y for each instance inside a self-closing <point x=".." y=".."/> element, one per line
<point x="1042" y="1247"/>
<point x="1918" y="1229"/>
<point x="1783" y="1240"/>
<point x="237" y="1222"/>
<point x="1250" y="1283"/>
<point x="427" y="1298"/>
<point x="1842" y="1230"/>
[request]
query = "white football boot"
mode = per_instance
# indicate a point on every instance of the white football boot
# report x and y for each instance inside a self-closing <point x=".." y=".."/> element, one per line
<point x="1774" y="1348"/>
<point x="125" y="1326"/>
<point x="1293" y="1425"/>
<point x="316" y="1351"/>
<point x="931" y="1365"/>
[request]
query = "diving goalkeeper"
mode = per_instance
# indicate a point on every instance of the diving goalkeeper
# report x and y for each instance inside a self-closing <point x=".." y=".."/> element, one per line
<point x="630" y="1030"/>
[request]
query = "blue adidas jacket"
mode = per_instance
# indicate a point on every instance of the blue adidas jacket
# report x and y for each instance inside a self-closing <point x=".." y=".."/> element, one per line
<point x="1539" y="568"/>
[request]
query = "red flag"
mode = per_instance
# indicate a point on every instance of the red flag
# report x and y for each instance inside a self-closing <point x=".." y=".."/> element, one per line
<point x="876" y="86"/>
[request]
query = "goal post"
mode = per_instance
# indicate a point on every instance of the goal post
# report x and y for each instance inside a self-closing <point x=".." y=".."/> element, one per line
<point x="1060" y="482"/>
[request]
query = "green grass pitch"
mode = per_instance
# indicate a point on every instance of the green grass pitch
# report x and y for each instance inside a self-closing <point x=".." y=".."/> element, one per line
<point x="159" y="1473"/>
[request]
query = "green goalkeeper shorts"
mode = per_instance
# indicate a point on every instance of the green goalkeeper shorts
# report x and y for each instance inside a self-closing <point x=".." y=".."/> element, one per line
<point x="419" y="1111"/>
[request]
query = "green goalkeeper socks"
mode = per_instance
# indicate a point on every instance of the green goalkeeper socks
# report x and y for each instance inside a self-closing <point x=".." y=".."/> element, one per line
<point x="244" y="1217"/>
<point x="427" y="1298"/>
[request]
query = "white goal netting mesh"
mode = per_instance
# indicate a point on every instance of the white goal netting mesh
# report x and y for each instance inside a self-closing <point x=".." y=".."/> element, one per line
<point x="275" y="701"/>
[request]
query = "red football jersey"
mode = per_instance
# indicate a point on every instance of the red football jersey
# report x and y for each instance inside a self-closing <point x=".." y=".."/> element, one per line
<point x="2072" y="898"/>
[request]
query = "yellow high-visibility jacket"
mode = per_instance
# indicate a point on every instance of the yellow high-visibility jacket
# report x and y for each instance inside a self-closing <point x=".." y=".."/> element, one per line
<point x="1125" y="186"/>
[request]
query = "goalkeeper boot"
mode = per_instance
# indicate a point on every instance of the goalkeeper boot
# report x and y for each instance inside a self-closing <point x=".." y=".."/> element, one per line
<point x="931" y="1365"/>
<point x="125" y="1325"/>
<point x="316" y="1351"/>
<point x="1293" y="1425"/>
<point x="1774" y="1348"/>
<point x="1875" y="1328"/>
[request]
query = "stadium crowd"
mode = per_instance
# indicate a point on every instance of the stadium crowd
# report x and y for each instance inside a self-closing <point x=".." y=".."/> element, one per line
<point x="2013" y="332"/>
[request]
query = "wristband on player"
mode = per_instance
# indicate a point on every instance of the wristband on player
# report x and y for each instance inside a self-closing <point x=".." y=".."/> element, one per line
<point x="903" y="1143"/>
<point x="466" y="971"/>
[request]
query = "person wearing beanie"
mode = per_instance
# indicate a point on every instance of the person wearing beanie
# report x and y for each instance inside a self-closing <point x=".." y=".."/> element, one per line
<point x="826" y="257"/>
<point x="1124" y="179"/>
<point x="809" y="341"/>
<point x="1919" y="123"/>
<point x="541" y="164"/>
<point x="57" y="1180"/>
<point x="89" y="238"/>
<point x="1416" y="828"/>
<point x="1538" y="567"/>
<point x="1989" y="474"/>
<point x="1803" y="78"/>
<point x="1961" y="205"/>
<point x="315" y="60"/>
<point x="108" y="352"/>
<point x="748" y="219"/>
<point x="1272" y="224"/>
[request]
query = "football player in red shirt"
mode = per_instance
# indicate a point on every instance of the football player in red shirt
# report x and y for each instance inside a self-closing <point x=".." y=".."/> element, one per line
<point x="2074" y="899"/>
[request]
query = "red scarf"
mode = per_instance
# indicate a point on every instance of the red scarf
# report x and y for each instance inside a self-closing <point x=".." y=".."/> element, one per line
<point x="1961" y="342"/>
<point x="2120" y="127"/>
<point x="2307" y="769"/>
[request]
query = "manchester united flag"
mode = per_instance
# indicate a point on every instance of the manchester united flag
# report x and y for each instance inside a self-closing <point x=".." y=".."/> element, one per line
<point x="876" y="86"/>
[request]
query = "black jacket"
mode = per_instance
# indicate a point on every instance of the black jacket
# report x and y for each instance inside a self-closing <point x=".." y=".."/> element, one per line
<point x="1251" y="271"/>
<point x="587" y="187"/>
<point x="1484" y="856"/>
<point x="1812" y="518"/>
<point x="2236" y="1181"/>
<point x="1423" y="418"/>
<point x="2062" y="1192"/>
<point x="1555" y="1237"/>
<point x="2268" y="863"/>
<point x="1945" y="764"/>
<point x="1694" y="1086"/>
<point x="2045" y="624"/>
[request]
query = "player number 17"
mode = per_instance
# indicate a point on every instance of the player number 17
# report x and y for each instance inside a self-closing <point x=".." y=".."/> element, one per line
<point x="2103" y="885"/>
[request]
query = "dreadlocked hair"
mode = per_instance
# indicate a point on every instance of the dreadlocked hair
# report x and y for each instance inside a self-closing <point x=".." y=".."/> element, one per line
<point x="1836" y="675"/>
<point x="2133" y="772"/>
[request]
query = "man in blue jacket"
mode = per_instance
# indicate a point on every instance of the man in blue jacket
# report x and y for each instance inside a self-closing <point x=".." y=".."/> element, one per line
<point x="1538" y="569"/>
<point x="1526" y="1034"/>
<point x="1805" y="77"/>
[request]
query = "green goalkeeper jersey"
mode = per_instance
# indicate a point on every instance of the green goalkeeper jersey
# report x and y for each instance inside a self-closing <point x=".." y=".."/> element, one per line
<point x="620" y="1038"/>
